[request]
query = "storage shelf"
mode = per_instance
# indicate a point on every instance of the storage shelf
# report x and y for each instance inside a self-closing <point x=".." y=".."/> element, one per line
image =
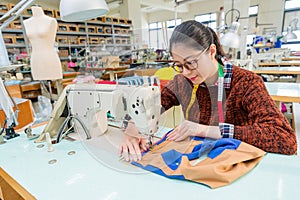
<point x="101" y="34"/>
<point x="93" y="45"/>
<point x="12" y="31"/>
<point x="72" y="45"/>
<point x="15" y="45"/>
<point x="122" y="25"/>
<point x="109" y="24"/>
<point x="122" y="35"/>
<point x="71" y="33"/>
<point x="116" y="33"/>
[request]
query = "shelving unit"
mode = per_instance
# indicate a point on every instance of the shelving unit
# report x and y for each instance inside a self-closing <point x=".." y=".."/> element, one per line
<point x="72" y="37"/>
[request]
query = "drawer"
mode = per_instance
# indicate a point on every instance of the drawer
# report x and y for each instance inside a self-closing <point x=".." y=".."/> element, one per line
<point x="14" y="90"/>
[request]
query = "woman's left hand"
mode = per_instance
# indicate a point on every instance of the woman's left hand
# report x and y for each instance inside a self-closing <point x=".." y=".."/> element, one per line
<point x="186" y="129"/>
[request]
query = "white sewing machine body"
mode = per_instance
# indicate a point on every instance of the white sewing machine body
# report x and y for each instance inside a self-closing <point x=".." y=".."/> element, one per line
<point x="91" y="103"/>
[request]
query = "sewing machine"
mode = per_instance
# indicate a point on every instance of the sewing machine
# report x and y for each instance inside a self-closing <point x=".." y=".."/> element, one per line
<point x="273" y="55"/>
<point x="90" y="104"/>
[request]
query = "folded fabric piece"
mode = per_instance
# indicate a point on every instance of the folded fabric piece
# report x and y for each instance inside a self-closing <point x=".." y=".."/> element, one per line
<point x="214" y="163"/>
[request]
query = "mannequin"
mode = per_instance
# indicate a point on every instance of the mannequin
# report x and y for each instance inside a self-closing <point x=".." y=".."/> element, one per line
<point x="41" y="31"/>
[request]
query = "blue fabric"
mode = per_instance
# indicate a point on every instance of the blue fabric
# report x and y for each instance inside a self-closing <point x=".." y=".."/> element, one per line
<point x="223" y="144"/>
<point x="158" y="171"/>
<point x="201" y="149"/>
<point x="197" y="138"/>
<point x="172" y="159"/>
<point x="212" y="148"/>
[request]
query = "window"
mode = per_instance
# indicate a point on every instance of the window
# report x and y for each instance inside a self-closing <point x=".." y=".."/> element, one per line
<point x="155" y="30"/>
<point x="208" y="19"/>
<point x="172" y="23"/>
<point x="253" y="11"/>
<point x="292" y="17"/>
<point x="292" y="4"/>
<point x="159" y="36"/>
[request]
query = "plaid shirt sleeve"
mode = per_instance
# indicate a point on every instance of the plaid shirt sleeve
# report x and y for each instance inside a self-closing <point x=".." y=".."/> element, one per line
<point x="227" y="130"/>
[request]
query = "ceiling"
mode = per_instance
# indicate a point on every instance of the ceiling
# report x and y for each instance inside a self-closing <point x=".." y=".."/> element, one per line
<point x="147" y="6"/>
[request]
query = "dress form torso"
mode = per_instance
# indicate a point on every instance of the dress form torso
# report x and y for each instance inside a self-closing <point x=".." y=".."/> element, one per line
<point x="41" y="31"/>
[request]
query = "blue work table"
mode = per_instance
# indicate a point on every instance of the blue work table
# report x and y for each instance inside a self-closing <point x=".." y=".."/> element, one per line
<point x="84" y="176"/>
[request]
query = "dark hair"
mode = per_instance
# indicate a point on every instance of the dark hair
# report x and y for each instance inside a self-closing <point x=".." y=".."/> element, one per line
<point x="197" y="36"/>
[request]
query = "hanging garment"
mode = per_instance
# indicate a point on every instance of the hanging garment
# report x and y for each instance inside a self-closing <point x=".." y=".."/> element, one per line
<point x="214" y="163"/>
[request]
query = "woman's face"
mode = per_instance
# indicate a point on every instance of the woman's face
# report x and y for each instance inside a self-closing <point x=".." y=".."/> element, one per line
<point x="198" y="66"/>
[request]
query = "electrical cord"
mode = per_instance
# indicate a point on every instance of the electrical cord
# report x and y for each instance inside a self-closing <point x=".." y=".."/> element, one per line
<point x="68" y="118"/>
<point x="67" y="131"/>
<point x="232" y="10"/>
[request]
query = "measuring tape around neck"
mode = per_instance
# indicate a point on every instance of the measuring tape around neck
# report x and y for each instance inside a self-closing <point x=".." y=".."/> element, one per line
<point x="220" y="95"/>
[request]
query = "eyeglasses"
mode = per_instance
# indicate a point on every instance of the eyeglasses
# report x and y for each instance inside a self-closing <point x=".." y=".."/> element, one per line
<point x="189" y="65"/>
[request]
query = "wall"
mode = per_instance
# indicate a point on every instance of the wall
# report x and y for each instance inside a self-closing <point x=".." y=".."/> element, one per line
<point x="270" y="11"/>
<point x="194" y="9"/>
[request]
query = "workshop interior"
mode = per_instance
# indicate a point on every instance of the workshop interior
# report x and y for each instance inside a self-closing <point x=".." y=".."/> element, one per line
<point x="74" y="74"/>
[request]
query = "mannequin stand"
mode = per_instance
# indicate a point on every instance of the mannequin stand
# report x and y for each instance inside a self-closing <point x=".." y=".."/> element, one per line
<point x="47" y="90"/>
<point x="50" y="93"/>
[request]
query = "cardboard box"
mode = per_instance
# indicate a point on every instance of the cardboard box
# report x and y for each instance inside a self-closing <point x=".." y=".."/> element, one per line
<point x="110" y="61"/>
<point x="145" y="72"/>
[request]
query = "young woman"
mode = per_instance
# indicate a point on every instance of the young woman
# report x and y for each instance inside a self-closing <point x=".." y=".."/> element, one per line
<point x="217" y="99"/>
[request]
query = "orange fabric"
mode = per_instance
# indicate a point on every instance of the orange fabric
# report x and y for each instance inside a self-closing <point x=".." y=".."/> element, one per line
<point x="217" y="172"/>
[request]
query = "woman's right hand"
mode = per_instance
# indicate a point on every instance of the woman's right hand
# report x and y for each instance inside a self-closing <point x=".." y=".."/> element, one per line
<point x="132" y="143"/>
